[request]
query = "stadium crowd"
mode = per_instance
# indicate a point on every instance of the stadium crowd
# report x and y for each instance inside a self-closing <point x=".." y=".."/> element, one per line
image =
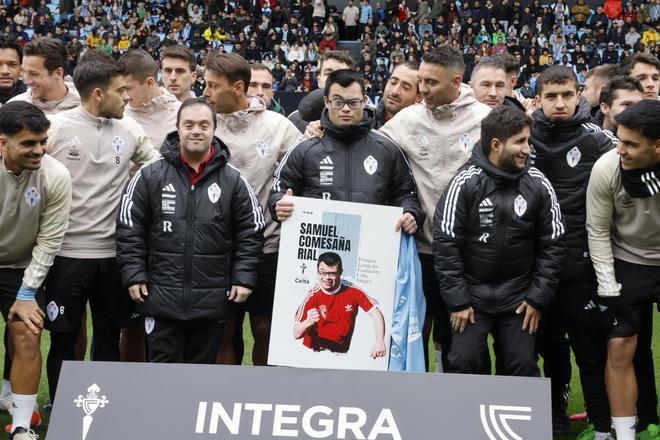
<point x="515" y="107"/>
<point x="289" y="36"/>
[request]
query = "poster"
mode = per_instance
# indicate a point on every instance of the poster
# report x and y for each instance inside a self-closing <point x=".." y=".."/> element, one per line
<point x="335" y="287"/>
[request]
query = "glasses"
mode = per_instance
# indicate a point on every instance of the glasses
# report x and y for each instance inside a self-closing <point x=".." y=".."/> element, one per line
<point x="338" y="103"/>
<point x="332" y="275"/>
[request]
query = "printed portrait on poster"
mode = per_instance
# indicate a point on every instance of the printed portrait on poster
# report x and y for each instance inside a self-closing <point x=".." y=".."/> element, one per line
<point x="335" y="286"/>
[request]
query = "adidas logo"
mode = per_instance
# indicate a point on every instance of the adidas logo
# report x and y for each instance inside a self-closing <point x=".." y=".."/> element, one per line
<point x="485" y="202"/>
<point x="590" y="305"/>
<point x="169" y="188"/>
<point x="327" y="161"/>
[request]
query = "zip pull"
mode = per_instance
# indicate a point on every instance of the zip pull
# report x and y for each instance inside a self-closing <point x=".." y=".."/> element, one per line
<point x="192" y="187"/>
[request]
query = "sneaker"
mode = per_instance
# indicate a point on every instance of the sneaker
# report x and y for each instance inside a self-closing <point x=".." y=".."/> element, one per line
<point x="652" y="432"/>
<point x="561" y="425"/>
<point x="5" y="403"/>
<point x="23" y="434"/>
<point x="35" y="422"/>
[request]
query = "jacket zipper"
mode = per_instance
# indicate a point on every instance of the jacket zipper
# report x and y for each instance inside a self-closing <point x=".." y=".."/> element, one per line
<point x="499" y="248"/>
<point x="347" y="187"/>
<point x="190" y="229"/>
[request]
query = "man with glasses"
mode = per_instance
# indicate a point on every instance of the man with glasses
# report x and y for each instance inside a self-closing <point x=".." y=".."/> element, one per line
<point x="350" y="163"/>
<point x="326" y="319"/>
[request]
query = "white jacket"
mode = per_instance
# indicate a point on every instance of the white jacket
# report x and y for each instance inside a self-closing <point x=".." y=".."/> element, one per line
<point x="436" y="147"/>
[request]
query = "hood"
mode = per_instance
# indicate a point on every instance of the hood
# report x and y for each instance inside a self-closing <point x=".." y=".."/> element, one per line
<point x="70" y="100"/>
<point x="447" y="111"/>
<point x="558" y="131"/>
<point x="501" y="177"/>
<point x="510" y="101"/>
<point x="171" y="152"/>
<point x="164" y="100"/>
<point x="311" y="106"/>
<point x="349" y="132"/>
<point x="239" y="121"/>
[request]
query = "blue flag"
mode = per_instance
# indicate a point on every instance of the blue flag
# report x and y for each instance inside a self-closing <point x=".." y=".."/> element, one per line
<point x="407" y="348"/>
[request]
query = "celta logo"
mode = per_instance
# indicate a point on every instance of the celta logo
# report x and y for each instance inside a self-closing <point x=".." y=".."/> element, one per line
<point x="495" y="420"/>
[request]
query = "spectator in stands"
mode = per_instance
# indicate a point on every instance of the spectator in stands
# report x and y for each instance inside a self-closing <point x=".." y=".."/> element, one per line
<point x="613" y="9"/>
<point x="350" y="16"/>
<point x="580" y="12"/>
<point x="610" y="55"/>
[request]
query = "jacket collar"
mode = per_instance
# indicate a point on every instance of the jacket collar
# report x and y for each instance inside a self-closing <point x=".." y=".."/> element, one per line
<point x="94" y="120"/>
<point x="171" y="152"/>
<point x="348" y="132"/>
<point x="544" y="128"/>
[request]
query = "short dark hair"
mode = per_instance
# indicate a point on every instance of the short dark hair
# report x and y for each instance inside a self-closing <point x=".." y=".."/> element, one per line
<point x="231" y="66"/>
<point x="502" y="123"/>
<point x="180" y="52"/>
<point x="486" y="62"/>
<point x="413" y="65"/>
<point x="643" y="58"/>
<point x="344" y="77"/>
<point x="338" y="55"/>
<point x="139" y="64"/>
<point x="197" y="101"/>
<point x="7" y="42"/>
<point x="447" y="57"/>
<point x="94" y="74"/>
<point x="96" y="55"/>
<point x="643" y="116"/>
<point x="16" y="116"/>
<point x="261" y="67"/>
<point x="508" y="62"/>
<point x="608" y="94"/>
<point x="51" y="50"/>
<point x="330" y="259"/>
<point x="604" y="72"/>
<point x="556" y="75"/>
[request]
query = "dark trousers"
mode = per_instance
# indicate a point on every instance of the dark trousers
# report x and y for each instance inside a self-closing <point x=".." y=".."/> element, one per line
<point x="436" y="311"/>
<point x="647" y="397"/>
<point x="190" y="342"/>
<point x="575" y="312"/>
<point x="469" y="350"/>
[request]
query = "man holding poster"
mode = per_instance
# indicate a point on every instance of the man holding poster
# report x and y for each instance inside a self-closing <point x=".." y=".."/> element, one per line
<point x="351" y="162"/>
<point x="326" y="319"/>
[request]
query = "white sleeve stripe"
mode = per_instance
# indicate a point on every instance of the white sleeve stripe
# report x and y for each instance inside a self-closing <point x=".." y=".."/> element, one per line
<point x="126" y="204"/>
<point x="276" y="186"/>
<point x="257" y="214"/>
<point x="125" y="215"/>
<point x="449" y="210"/>
<point x="300" y="310"/>
<point x="557" y="225"/>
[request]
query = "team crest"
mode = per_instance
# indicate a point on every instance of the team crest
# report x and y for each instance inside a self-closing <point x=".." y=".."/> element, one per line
<point x="263" y="149"/>
<point x="465" y="142"/>
<point x="149" y="324"/>
<point x="323" y="310"/>
<point x="214" y="192"/>
<point x="520" y="205"/>
<point x="573" y="157"/>
<point x="52" y="311"/>
<point x="32" y="197"/>
<point x="370" y="165"/>
<point x="118" y="145"/>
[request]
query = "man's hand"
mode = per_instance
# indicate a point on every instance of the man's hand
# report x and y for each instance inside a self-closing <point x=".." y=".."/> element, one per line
<point x="407" y="222"/>
<point x="312" y="318"/>
<point x="459" y="320"/>
<point x="532" y="317"/>
<point x="239" y="294"/>
<point x="314" y="130"/>
<point x="378" y="350"/>
<point x="30" y="313"/>
<point x="138" y="292"/>
<point x="284" y="206"/>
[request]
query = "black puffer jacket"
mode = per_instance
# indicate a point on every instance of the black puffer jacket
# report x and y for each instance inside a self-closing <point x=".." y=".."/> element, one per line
<point x="566" y="152"/>
<point x="497" y="238"/>
<point x="189" y="243"/>
<point x="353" y="164"/>
<point x="309" y="109"/>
